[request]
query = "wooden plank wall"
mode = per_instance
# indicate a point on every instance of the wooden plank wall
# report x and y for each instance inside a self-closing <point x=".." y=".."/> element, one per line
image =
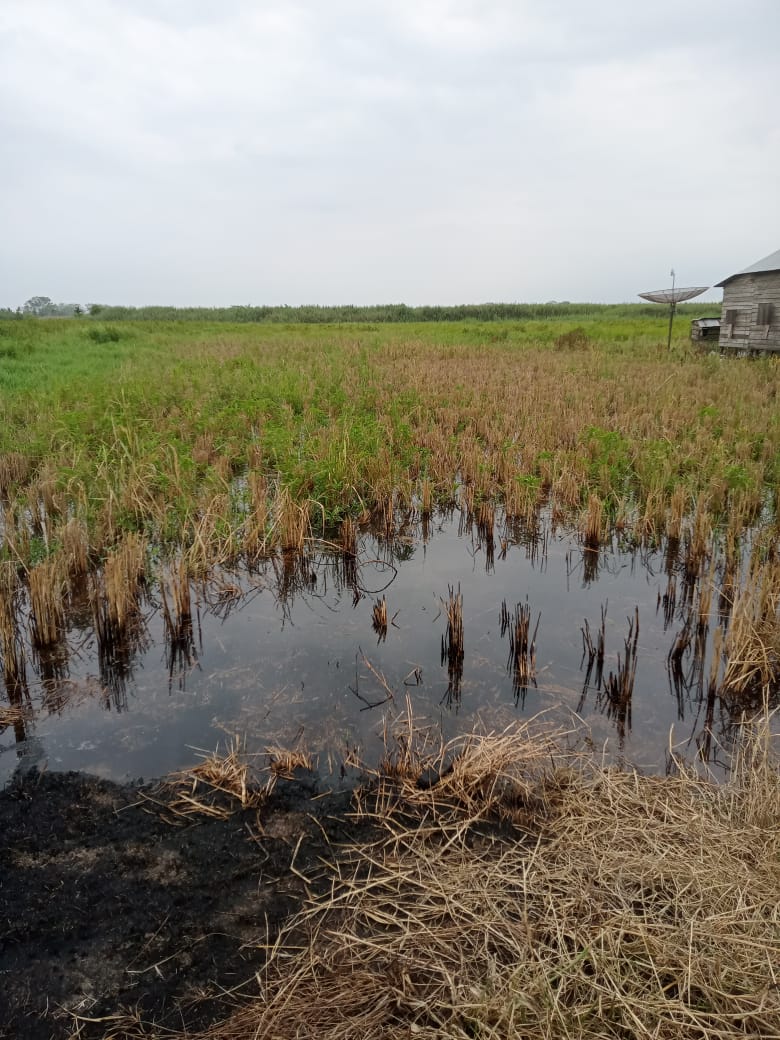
<point x="743" y="295"/>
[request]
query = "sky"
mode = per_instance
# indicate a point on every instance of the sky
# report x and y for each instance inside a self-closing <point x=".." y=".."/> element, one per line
<point x="216" y="152"/>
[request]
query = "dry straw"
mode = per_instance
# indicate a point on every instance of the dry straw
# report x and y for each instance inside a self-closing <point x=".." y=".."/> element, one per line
<point x="257" y="521"/>
<point x="593" y="524"/>
<point x="753" y="639"/>
<point x="75" y="546"/>
<point x="47" y="602"/>
<point x="291" y="523"/>
<point x="522" y="644"/>
<point x="453" y="647"/>
<point x="14" y="469"/>
<point x="379" y="618"/>
<point x="176" y="602"/>
<point x="219" y="786"/>
<point x="607" y="905"/>
<point x="11" y="648"/>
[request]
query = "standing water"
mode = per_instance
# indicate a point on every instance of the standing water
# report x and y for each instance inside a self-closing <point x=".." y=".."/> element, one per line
<point x="324" y="651"/>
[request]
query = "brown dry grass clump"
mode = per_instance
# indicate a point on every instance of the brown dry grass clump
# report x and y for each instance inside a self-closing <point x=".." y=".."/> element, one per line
<point x="522" y="643"/>
<point x="284" y="762"/>
<point x="225" y="782"/>
<point x="176" y="597"/>
<point x="47" y="602"/>
<point x="379" y="618"/>
<point x="123" y="576"/>
<point x="220" y="785"/>
<point x="13" y="714"/>
<point x="593" y="524"/>
<point x="607" y="904"/>
<point x="753" y="638"/>
<point x="11" y="650"/>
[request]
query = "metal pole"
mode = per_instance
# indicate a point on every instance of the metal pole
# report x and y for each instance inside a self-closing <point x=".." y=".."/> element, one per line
<point x="671" y="316"/>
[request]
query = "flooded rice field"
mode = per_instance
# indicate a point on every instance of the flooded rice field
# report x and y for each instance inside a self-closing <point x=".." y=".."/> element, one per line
<point x="461" y="624"/>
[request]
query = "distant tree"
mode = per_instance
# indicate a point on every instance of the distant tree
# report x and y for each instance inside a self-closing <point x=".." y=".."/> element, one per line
<point x="94" y="309"/>
<point x="38" y="305"/>
<point x="44" y="307"/>
<point x="77" y="311"/>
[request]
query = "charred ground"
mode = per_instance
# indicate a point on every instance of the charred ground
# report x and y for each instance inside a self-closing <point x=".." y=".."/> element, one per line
<point x="106" y="906"/>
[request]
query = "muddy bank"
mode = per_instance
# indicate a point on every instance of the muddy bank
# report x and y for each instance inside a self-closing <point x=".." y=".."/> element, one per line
<point x="104" y="906"/>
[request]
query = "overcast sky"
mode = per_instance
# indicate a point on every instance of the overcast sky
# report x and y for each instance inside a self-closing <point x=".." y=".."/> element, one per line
<point x="364" y="151"/>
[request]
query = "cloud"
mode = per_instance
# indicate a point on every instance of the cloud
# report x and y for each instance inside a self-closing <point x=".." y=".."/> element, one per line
<point x="426" y="150"/>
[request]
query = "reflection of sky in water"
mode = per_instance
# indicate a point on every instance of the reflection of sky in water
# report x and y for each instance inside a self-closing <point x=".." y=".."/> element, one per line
<point x="276" y="673"/>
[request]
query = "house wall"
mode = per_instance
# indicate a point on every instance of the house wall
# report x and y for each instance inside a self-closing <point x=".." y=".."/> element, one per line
<point x="743" y="294"/>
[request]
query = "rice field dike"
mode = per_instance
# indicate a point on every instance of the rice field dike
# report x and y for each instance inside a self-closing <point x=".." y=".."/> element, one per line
<point x="482" y="875"/>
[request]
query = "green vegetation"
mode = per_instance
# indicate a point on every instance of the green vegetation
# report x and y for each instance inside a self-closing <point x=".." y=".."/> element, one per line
<point x="197" y="444"/>
<point x="146" y="427"/>
<point x="395" y="312"/>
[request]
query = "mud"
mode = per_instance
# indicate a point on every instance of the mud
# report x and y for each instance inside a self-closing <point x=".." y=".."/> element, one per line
<point x="105" y="907"/>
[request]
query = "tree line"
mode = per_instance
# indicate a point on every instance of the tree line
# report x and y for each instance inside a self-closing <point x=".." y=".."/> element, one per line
<point x="43" y="307"/>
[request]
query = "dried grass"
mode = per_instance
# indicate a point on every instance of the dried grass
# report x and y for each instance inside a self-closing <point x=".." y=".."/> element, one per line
<point x="11" y="647"/>
<point x="348" y="536"/>
<point x="284" y="762"/>
<point x="698" y="540"/>
<point x="593" y="524"/>
<point x="123" y="576"/>
<point x="176" y="601"/>
<point x="14" y="714"/>
<point x="75" y="545"/>
<point x="426" y="497"/>
<point x="14" y="469"/>
<point x="678" y="507"/>
<point x="607" y="905"/>
<point x="522" y="645"/>
<point x="753" y="639"/>
<point x="257" y="522"/>
<point x="219" y="786"/>
<point x="47" y="602"/>
<point x="619" y="685"/>
<point x="225" y="782"/>
<point x="379" y="618"/>
<point x="291" y="522"/>
<point x="453" y="648"/>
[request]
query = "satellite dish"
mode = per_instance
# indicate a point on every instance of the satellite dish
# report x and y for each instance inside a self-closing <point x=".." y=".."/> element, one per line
<point x="673" y="297"/>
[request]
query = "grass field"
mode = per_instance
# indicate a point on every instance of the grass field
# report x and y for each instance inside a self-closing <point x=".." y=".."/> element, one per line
<point x="145" y="426"/>
<point x="130" y="442"/>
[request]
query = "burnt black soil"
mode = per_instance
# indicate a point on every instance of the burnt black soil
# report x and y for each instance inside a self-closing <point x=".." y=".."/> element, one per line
<point x="106" y="906"/>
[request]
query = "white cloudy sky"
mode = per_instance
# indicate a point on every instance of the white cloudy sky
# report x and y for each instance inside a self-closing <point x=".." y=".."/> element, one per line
<point x="427" y="151"/>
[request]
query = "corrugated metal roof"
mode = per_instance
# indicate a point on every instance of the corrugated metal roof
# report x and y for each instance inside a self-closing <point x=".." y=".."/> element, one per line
<point x="769" y="263"/>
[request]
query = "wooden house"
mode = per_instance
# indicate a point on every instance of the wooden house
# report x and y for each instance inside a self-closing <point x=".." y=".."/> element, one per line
<point x="750" y="320"/>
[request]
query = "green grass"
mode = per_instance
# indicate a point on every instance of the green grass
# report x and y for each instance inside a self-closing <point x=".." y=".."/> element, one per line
<point x="145" y="425"/>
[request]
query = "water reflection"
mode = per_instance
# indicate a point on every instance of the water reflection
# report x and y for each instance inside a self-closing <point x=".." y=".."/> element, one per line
<point x="276" y="649"/>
